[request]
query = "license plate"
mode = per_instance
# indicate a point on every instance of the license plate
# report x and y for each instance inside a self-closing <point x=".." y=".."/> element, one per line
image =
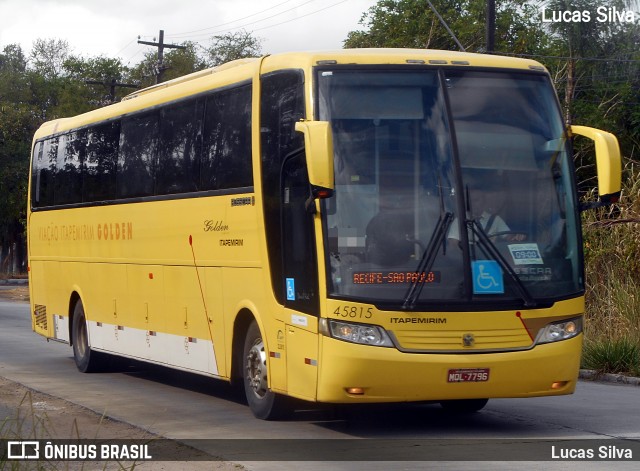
<point x="468" y="375"/>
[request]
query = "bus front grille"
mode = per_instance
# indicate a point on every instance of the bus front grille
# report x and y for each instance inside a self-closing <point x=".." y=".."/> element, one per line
<point x="459" y="341"/>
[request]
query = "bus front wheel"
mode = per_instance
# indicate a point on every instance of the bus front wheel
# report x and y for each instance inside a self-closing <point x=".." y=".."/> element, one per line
<point x="264" y="403"/>
<point x="87" y="360"/>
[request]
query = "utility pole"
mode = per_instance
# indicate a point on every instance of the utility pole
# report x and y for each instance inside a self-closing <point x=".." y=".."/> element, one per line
<point x="491" y="26"/>
<point x="112" y="84"/>
<point x="160" y="67"/>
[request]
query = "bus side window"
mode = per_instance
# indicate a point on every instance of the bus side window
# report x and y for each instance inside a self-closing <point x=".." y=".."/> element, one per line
<point x="178" y="168"/>
<point x="137" y="157"/>
<point x="227" y="140"/>
<point x="45" y="169"/>
<point x="68" y="179"/>
<point x="99" y="178"/>
<point x="38" y="176"/>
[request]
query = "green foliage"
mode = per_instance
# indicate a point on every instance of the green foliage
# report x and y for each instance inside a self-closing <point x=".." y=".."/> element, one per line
<point x="18" y="121"/>
<point x="51" y="84"/>
<point x="411" y="23"/>
<point x="612" y="245"/>
<point x="177" y="62"/>
<point x="232" y="46"/>
<point x="619" y="355"/>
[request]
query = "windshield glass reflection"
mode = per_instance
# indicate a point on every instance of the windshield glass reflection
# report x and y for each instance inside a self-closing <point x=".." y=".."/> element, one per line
<point x="397" y="184"/>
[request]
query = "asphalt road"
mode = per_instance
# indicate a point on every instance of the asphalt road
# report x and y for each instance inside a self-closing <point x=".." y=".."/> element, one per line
<point x="184" y="407"/>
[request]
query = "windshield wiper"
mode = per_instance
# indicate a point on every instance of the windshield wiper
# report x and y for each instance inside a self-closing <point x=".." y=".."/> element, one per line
<point x="427" y="260"/>
<point x="484" y="239"/>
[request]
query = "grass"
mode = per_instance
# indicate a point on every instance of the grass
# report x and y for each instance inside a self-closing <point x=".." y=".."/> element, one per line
<point x="29" y="424"/>
<point x="620" y="355"/>
<point x="26" y="425"/>
<point x="612" y="252"/>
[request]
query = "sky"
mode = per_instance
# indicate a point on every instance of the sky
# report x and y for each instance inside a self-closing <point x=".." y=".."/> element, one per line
<point x="111" y="28"/>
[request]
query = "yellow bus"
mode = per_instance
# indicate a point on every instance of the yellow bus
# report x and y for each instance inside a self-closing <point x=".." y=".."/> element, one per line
<point x="350" y="226"/>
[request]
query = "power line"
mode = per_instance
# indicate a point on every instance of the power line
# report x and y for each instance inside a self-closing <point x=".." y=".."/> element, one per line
<point x="161" y="45"/>
<point x="125" y="46"/>
<point x="252" y="22"/>
<point x="189" y="33"/>
<point x="301" y="16"/>
<point x="112" y="84"/>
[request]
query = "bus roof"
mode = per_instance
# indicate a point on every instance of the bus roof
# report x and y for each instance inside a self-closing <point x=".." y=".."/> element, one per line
<point x="244" y="69"/>
<point x="399" y="56"/>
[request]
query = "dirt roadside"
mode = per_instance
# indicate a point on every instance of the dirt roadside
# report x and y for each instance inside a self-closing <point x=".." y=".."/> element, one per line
<point x="29" y="414"/>
<point x="18" y="293"/>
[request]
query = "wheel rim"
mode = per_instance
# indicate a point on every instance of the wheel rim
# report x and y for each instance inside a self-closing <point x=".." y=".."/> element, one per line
<point x="257" y="368"/>
<point x="81" y="341"/>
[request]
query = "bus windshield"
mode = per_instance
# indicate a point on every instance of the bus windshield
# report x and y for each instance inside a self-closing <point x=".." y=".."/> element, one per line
<point x="450" y="185"/>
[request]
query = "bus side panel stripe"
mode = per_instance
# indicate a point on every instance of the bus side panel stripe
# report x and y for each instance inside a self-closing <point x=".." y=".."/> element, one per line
<point x="188" y="353"/>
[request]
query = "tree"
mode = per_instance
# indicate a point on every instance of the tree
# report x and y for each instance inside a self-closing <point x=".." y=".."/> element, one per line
<point x="596" y="69"/>
<point x="232" y="46"/>
<point x="48" y="57"/>
<point x="86" y="96"/>
<point x="181" y="62"/>
<point x="18" y="120"/>
<point x="411" y="23"/>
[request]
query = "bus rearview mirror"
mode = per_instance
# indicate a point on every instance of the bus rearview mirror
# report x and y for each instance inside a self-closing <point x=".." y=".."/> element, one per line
<point x="318" y="143"/>
<point x="607" y="161"/>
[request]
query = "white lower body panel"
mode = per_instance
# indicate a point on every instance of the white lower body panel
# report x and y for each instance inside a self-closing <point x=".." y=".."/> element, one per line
<point x="187" y="353"/>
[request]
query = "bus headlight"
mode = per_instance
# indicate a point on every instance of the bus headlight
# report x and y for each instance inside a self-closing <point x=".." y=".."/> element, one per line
<point x="355" y="333"/>
<point x="562" y="330"/>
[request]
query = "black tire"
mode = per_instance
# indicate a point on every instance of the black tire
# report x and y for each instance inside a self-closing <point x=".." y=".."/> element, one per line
<point x="264" y="403"/>
<point x="87" y="360"/>
<point x="463" y="406"/>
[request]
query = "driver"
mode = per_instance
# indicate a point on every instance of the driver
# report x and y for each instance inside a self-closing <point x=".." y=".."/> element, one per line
<point x="485" y="201"/>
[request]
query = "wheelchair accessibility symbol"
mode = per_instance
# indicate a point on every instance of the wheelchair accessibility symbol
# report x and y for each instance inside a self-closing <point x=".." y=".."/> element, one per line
<point x="291" y="289"/>
<point x="487" y="277"/>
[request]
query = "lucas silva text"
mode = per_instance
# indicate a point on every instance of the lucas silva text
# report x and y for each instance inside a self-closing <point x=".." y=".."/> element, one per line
<point x="601" y="15"/>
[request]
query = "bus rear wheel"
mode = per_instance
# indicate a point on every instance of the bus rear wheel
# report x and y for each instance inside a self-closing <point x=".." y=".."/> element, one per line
<point x="264" y="403"/>
<point x="87" y="360"/>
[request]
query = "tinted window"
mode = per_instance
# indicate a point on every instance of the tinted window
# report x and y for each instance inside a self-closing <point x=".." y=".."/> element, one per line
<point x="282" y="105"/>
<point x="44" y="172"/>
<point x="178" y="157"/>
<point x="99" y="182"/>
<point x="193" y="145"/>
<point x="41" y="178"/>
<point x="68" y="179"/>
<point x="136" y="161"/>
<point x="227" y="140"/>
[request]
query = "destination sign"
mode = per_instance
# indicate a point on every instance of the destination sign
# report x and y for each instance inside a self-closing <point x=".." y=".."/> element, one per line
<point x="394" y="277"/>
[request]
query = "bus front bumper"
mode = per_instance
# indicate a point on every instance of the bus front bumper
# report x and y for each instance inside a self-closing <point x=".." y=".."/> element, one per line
<point x="352" y="373"/>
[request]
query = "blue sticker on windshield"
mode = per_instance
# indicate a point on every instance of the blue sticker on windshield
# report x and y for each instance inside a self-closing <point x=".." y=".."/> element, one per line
<point x="487" y="277"/>
<point x="291" y="289"/>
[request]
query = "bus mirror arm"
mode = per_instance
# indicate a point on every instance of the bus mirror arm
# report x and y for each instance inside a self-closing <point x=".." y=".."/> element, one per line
<point x="310" y="204"/>
<point x="608" y="163"/>
<point x="318" y="142"/>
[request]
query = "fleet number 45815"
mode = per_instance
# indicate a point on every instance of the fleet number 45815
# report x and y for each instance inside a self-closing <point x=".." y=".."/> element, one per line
<point x="353" y="312"/>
